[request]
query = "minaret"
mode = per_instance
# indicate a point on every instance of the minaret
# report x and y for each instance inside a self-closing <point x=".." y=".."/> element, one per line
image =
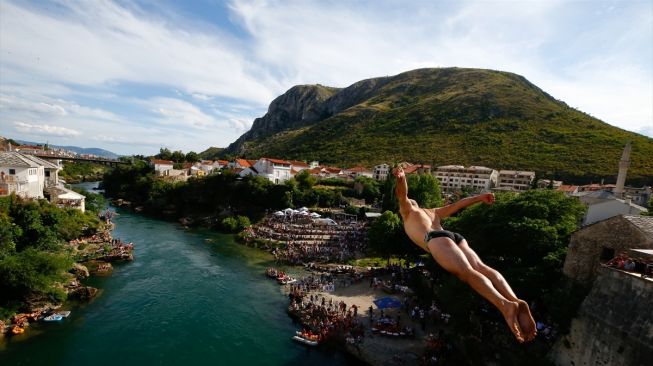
<point x="623" y="169"/>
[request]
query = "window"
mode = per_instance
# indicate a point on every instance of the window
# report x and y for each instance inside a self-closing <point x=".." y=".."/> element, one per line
<point x="607" y="254"/>
<point x="47" y="174"/>
<point x="12" y="171"/>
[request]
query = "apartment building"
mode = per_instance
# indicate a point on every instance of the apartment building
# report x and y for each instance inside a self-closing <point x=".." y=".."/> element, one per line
<point x="455" y="177"/>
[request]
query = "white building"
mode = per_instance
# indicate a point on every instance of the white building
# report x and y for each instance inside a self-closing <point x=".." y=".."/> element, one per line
<point x="603" y="205"/>
<point x="455" y="177"/>
<point x="358" y="171"/>
<point x="381" y="172"/>
<point x="21" y="174"/>
<point x="275" y="170"/>
<point x="161" y="166"/>
<point x="515" y="180"/>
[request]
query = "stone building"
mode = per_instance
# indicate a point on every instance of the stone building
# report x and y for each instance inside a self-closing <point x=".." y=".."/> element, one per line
<point x="601" y="241"/>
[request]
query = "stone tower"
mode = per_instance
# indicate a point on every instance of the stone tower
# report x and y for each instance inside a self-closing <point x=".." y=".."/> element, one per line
<point x="624" y="163"/>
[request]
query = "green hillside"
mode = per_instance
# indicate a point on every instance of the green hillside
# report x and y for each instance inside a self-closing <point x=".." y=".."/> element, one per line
<point x="445" y="116"/>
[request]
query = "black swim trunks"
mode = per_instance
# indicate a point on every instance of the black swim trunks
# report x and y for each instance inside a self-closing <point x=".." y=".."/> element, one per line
<point x="455" y="237"/>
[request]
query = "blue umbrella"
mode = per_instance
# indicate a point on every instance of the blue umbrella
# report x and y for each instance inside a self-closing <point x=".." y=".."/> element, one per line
<point x="387" y="303"/>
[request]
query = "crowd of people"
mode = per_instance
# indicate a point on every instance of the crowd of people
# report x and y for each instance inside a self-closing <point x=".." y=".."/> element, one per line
<point x="306" y="240"/>
<point x="327" y="319"/>
<point x="628" y="264"/>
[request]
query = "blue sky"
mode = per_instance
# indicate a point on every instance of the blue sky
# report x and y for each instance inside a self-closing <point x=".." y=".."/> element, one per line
<point x="132" y="77"/>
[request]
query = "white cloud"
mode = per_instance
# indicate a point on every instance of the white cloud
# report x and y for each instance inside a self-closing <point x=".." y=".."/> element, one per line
<point x="45" y="130"/>
<point x="84" y="65"/>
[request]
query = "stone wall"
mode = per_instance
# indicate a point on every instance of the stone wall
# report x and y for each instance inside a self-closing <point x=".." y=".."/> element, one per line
<point x="614" y="325"/>
<point x="587" y="244"/>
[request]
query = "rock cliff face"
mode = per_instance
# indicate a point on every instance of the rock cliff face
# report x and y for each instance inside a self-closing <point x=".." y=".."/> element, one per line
<point x="304" y="105"/>
<point x="614" y="324"/>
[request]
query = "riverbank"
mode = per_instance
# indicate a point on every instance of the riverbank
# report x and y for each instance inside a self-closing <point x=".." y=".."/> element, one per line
<point x="92" y="255"/>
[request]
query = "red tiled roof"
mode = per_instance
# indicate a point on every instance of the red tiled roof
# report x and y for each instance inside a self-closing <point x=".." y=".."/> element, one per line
<point x="567" y="188"/>
<point x="315" y="171"/>
<point x="278" y="161"/>
<point x="358" y="169"/>
<point x="223" y="162"/>
<point x="333" y="170"/>
<point x="159" y="161"/>
<point x="243" y="163"/>
<point x="298" y="163"/>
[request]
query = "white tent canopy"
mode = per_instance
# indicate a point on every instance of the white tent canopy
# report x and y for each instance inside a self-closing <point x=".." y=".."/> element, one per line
<point x="303" y="209"/>
<point x="315" y="214"/>
<point x="279" y="213"/>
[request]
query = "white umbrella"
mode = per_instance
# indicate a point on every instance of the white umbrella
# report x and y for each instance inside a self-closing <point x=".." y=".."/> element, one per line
<point x="303" y="213"/>
<point x="295" y="212"/>
<point x="303" y="209"/>
<point x="288" y="210"/>
<point x="279" y="213"/>
<point x="315" y="214"/>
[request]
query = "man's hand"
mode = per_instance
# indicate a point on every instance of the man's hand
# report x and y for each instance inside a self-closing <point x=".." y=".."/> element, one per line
<point x="487" y="198"/>
<point x="398" y="172"/>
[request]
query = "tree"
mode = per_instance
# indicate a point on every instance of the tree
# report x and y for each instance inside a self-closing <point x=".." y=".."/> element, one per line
<point x="305" y="180"/>
<point x="525" y="236"/>
<point x="164" y="153"/>
<point x="423" y="188"/>
<point x="178" y="156"/>
<point x="385" y="234"/>
<point x="192" y="157"/>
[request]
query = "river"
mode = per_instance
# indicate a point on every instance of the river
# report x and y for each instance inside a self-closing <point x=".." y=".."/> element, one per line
<point x="190" y="297"/>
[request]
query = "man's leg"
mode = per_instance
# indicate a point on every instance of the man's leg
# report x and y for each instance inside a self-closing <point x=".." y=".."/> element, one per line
<point x="526" y="321"/>
<point x="452" y="258"/>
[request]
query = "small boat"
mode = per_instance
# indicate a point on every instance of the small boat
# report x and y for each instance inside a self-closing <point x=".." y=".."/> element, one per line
<point x="17" y="330"/>
<point x="63" y="313"/>
<point x="305" y="341"/>
<point x="285" y="280"/>
<point x="53" y="318"/>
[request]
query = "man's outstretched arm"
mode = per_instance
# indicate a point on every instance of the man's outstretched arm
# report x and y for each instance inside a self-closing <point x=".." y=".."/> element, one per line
<point x="401" y="190"/>
<point x="451" y="209"/>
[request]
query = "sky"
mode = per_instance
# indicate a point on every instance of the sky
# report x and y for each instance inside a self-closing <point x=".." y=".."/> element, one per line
<point x="132" y="77"/>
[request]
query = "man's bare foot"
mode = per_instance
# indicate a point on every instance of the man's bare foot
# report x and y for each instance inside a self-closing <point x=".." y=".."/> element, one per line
<point x="526" y="321"/>
<point x="510" y="313"/>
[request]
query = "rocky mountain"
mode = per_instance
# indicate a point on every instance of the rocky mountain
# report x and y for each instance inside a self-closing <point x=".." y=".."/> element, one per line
<point x="444" y="116"/>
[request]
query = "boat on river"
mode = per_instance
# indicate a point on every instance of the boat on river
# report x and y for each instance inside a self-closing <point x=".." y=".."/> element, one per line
<point x="63" y="313"/>
<point x="53" y="318"/>
<point x="17" y="330"/>
<point x="307" y="339"/>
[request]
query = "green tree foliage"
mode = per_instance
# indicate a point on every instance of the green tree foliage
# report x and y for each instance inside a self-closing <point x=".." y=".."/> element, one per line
<point x="192" y="157"/>
<point x="94" y="202"/>
<point x="524" y="236"/>
<point x="423" y="188"/>
<point x="32" y="256"/>
<point x="82" y="171"/>
<point x="370" y="189"/>
<point x="305" y="180"/>
<point x="385" y="235"/>
<point x="164" y="154"/>
<point x="33" y="270"/>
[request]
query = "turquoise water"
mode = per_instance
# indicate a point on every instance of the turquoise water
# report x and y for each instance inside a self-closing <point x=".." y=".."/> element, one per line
<point x="189" y="297"/>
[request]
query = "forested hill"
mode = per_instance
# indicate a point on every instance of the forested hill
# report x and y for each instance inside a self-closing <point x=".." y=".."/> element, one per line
<point x="444" y="116"/>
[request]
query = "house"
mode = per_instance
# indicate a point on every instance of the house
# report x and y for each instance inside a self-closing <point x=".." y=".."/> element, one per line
<point x="569" y="190"/>
<point x="64" y="197"/>
<point x="276" y="170"/>
<point x="332" y="172"/>
<point x="21" y="174"/>
<point x="548" y="183"/>
<point x="358" y="171"/>
<point x="601" y="241"/>
<point x="515" y="180"/>
<point x="241" y="163"/>
<point x="639" y="195"/>
<point x="381" y="171"/>
<point x="161" y="166"/>
<point x="298" y="166"/>
<point x="603" y="205"/>
<point x="176" y="175"/>
<point x="456" y="177"/>
<point x="417" y="169"/>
